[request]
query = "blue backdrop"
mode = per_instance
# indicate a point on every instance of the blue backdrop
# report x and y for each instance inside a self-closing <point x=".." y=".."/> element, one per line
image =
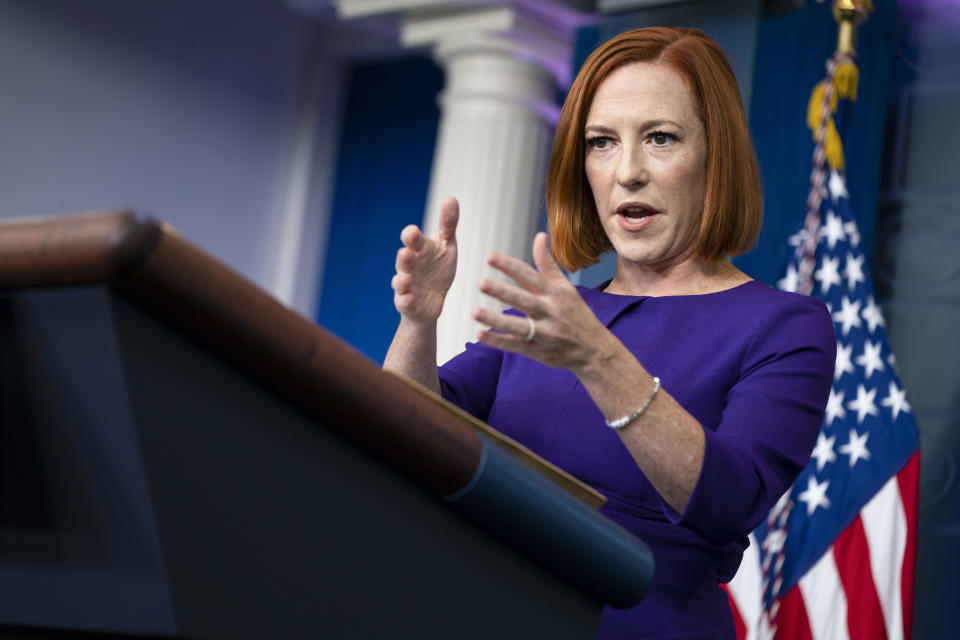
<point x="386" y="150"/>
<point x="792" y="50"/>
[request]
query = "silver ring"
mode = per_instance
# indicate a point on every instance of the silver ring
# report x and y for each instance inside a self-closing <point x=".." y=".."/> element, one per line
<point x="533" y="329"/>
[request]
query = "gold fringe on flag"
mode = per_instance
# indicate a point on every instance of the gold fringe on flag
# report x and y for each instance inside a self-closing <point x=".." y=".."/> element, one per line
<point x="848" y="13"/>
<point x="845" y="86"/>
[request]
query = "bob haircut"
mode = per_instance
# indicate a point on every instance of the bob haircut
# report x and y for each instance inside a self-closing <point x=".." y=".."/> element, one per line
<point x="733" y="199"/>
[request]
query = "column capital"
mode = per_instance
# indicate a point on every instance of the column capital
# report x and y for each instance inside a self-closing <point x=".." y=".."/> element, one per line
<point x="540" y="32"/>
<point x="550" y="9"/>
<point x="504" y="30"/>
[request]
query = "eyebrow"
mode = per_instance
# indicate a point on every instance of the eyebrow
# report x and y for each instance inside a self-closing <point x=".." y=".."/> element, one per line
<point x="649" y="124"/>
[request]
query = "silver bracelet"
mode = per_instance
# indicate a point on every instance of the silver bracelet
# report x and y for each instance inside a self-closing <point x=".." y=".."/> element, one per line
<point x="620" y="423"/>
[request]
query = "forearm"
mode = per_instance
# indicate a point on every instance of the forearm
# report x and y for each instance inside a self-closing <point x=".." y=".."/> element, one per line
<point x="666" y="441"/>
<point x="413" y="353"/>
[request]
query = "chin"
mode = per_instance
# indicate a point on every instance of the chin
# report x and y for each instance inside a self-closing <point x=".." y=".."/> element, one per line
<point x="640" y="257"/>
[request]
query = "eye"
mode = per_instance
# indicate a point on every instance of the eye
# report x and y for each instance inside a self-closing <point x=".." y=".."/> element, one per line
<point x="661" y="138"/>
<point x="599" y="142"/>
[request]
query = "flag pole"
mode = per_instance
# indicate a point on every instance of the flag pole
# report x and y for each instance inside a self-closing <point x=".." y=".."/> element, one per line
<point x="836" y="556"/>
<point x="840" y="82"/>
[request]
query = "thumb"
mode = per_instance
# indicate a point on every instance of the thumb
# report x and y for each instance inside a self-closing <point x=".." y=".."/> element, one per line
<point x="545" y="263"/>
<point x="449" y="216"/>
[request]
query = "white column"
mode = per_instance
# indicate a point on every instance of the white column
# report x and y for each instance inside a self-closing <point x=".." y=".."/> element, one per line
<point x="498" y="109"/>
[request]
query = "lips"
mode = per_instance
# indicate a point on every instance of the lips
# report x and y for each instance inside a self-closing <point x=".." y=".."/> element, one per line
<point x="635" y="215"/>
<point x="635" y="210"/>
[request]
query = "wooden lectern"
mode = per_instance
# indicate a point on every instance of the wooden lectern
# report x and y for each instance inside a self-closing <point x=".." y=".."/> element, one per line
<point x="183" y="456"/>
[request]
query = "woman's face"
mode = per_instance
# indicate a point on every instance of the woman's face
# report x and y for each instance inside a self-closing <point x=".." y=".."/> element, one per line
<point x="646" y="153"/>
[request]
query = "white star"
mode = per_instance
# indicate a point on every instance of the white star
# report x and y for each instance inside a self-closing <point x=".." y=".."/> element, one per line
<point x="832" y="230"/>
<point x="897" y="400"/>
<point x="789" y="281"/>
<point x="892" y="361"/>
<point x="823" y="452"/>
<point x="849" y="315"/>
<point x="797" y="239"/>
<point x="853" y="233"/>
<point x="857" y="447"/>
<point x="870" y="360"/>
<point x="843" y="364"/>
<point x="871" y="313"/>
<point x="815" y="495"/>
<point x="828" y="274"/>
<point x="838" y="188"/>
<point x="774" y="541"/>
<point x="853" y="271"/>
<point x="864" y="404"/>
<point x="835" y="407"/>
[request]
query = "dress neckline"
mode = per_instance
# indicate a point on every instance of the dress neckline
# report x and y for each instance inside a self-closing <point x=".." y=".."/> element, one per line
<point x="625" y="296"/>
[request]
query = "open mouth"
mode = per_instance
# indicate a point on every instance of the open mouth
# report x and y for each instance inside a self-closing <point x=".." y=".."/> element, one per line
<point x="634" y="212"/>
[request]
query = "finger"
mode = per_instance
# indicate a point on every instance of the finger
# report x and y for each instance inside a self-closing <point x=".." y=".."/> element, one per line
<point x="522" y="273"/>
<point x="542" y="258"/>
<point x="449" y="216"/>
<point x="401" y="283"/>
<point x="403" y="302"/>
<point x="412" y="237"/>
<point x="405" y="259"/>
<point x="504" y="341"/>
<point x="504" y="323"/>
<point x="511" y="296"/>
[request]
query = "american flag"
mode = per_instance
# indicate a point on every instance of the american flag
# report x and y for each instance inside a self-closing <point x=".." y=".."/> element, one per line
<point x="835" y="559"/>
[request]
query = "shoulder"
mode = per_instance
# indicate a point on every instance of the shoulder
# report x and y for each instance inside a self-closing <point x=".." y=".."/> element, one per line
<point x="784" y="323"/>
<point x="754" y="303"/>
<point x="785" y="310"/>
<point x="762" y="297"/>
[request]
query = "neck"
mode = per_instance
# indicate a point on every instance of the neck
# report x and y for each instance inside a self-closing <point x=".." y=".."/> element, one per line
<point x="693" y="276"/>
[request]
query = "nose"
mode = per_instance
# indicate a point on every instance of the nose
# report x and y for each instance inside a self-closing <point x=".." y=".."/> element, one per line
<point x="631" y="170"/>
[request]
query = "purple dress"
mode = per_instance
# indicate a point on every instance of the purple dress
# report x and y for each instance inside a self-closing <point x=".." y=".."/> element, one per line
<point x="751" y="364"/>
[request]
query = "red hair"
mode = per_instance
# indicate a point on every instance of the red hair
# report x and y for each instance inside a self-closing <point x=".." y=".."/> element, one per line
<point x="733" y="199"/>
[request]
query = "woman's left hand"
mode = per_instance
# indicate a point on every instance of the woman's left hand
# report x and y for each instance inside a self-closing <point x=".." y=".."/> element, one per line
<point x="567" y="334"/>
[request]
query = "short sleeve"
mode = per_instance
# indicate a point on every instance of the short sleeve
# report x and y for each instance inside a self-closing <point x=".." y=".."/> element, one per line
<point x="469" y="380"/>
<point x="769" y="425"/>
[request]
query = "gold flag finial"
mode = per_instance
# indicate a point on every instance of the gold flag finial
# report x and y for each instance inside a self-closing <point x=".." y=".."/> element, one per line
<point x="849" y="14"/>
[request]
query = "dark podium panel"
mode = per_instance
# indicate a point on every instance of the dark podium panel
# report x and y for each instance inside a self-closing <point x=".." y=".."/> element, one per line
<point x="166" y="474"/>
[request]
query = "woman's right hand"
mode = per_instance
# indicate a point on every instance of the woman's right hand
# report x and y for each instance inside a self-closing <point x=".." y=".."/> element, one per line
<point x="426" y="266"/>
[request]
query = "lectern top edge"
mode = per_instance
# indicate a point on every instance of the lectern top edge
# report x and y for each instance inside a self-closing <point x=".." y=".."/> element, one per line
<point x="150" y="263"/>
<point x="76" y="249"/>
<point x="153" y="266"/>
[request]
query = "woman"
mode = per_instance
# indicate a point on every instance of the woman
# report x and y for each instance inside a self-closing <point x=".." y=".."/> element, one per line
<point x="686" y="392"/>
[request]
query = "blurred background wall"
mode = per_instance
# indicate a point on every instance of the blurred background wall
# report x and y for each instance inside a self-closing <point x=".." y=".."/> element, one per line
<point x="199" y="113"/>
<point x="294" y="139"/>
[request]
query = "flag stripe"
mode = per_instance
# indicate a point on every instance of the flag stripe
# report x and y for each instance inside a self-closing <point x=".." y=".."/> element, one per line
<point x="885" y="527"/>
<point x="792" y="622"/>
<point x="865" y="619"/>
<point x="738" y="625"/>
<point x="824" y="600"/>
<point x="909" y="481"/>
<point x="746" y="597"/>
